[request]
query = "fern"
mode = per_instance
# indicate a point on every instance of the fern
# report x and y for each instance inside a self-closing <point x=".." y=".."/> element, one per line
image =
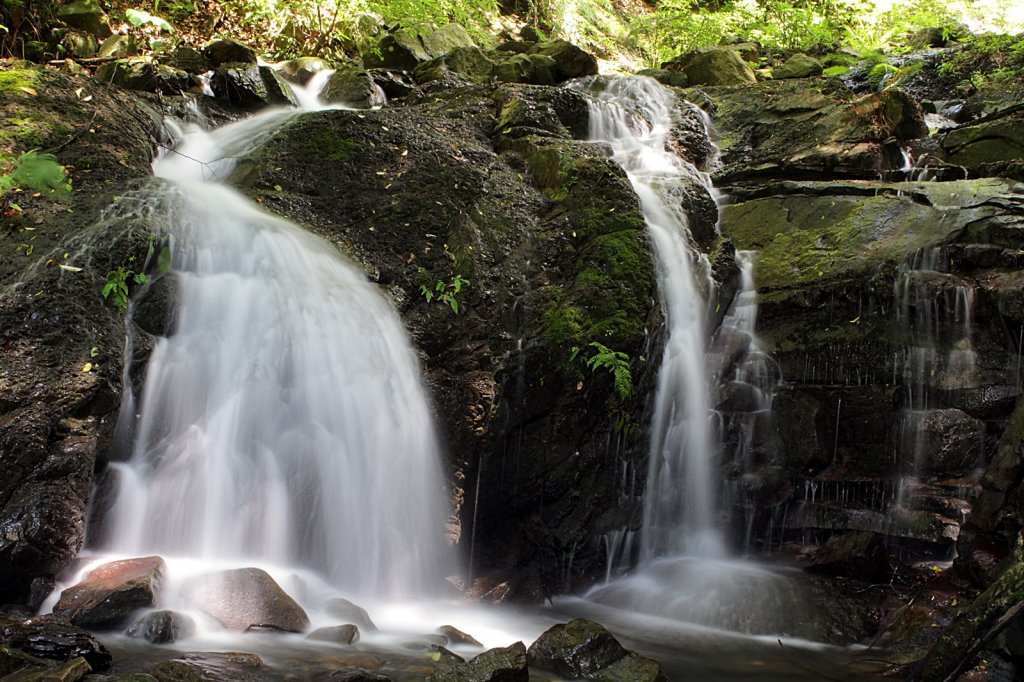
<point x="615" y="362"/>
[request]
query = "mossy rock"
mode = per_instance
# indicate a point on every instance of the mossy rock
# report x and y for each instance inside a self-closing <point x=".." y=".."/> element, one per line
<point x="229" y="51"/>
<point x="570" y="61"/>
<point x="405" y="48"/>
<point x="141" y="73"/>
<point x="535" y="69"/>
<point x="251" y="85"/>
<point x="86" y="15"/>
<point x="798" y="66"/>
<point x="988" y="142"/>
<point x="354" y="88"/>
<point x="301" y="69"/>
<point x="713" y="66"/>
<point x="79" y="44"/>
<point x="468" y="62"/>
<point x="118" y="46"/>
<point x="673" y="79"/>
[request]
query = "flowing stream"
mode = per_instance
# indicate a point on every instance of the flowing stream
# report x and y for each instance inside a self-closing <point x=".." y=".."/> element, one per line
<point x="283" y="421"/>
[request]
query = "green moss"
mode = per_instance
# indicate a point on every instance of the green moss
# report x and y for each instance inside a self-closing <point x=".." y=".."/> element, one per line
<point x="12" y="81"/>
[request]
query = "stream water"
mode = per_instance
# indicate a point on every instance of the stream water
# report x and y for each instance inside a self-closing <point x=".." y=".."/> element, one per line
<point x="283" y="424"/>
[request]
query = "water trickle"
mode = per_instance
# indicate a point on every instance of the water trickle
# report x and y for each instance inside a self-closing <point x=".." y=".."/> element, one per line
<point x="283" y="421"/>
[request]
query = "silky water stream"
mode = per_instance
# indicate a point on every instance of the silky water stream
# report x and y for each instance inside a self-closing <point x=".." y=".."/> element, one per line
<point x="283" y="425"/>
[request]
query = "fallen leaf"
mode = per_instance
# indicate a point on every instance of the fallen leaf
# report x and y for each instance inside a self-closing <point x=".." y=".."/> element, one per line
<point x="31" y="91"/>
<point x="87" y="367"/>
<point x="69" y="268"/>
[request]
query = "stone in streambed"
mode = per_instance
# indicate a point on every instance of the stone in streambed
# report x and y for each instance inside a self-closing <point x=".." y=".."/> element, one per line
<point x="353" y="675"/>
<point x="798" y="66"/>
<point x="111" y="592"/>
<point x="631" y="668"/>
<point x="713" y="66"/>
<point x="244" y="598"/>
<point x="506" y="664"/>
<point x="163" y="627"/>
<point x="354" y="88"/>
<point x="251" y="85"/>
<point x="343" y="609"/>
<point x="339" y="634"/>
<point x="576" y="649"/>
<point x="49" y="639"/>
<point x="456" y="636"/>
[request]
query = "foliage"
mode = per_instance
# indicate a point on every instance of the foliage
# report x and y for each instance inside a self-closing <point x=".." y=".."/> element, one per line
<point x="116" y="285"/>
<point x="983" y="60"/>
<point x="36" y="172"/>
<point x="139" y="18"/>
<point x="445" y="291"/>
<point x="615" y="363"/>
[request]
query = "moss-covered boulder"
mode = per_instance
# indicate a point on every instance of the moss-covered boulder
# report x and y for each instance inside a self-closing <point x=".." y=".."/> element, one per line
<point x="798" y="66"/>
<point x="536" y="69"/>
<point x="713" y="66"/>
<point x="803" y="128"/>
<point x="118" y="46"/>
<point x="466" y="62"/>
<point x="301" y="69"/>
<point x="987" y="142"/>
<point x="405" y="48"/>
<point x="354" y="88"/>
<point x="673" y="79"/>
<point x="86" y="15"/>
<point x="569" y="61"/>
<point x="229" y="51"/>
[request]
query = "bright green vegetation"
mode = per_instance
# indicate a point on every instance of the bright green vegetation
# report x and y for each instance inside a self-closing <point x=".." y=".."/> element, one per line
<point x="444" y="291"/>
<point x="117" y="285"/>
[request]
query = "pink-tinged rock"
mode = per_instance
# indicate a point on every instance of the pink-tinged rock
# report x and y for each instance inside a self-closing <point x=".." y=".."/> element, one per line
<point x="112" y="592"/>
<point x="245" y="599"/>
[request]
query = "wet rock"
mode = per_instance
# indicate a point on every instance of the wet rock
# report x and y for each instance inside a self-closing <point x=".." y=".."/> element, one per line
<point x="456" y="636"/>
<point x="507" y="664"/>
<point x="534" y="69"/>
<point x="577" y="649"/>
<point x="56" y="641"/>
<point x="798" y="66"/>
<point x="952" y="441"/>
<point x="632" y="667"/>
<point x="802" y="421"/>
<point x="214" y="667"/>
<point x="549" y="112"/>
<point x="445" y="658"/>
<point x="352" y="675"/>
<point x="857" y="555"/>
<point x="340" y="634"/>
<point x="110" y="593"/>
<point x="569" y="60"/>
<point x="343" y="609"/>
<point x="79" y="44"/>
<point x="354" y="88"/>
<point x="17" y="666"/>
<point x="243" y="598"/>
<point x="163" y="627"/>
<point x="250" y="85"/>
<point x="86" y="15"/>
<point x="712" y="66"/>
<point x="228" y="50"/>
<point x="154" y="309"/>
<point x="395" y="84"/>
<point x="737" y="396"/>
<point x="188" y="59"/>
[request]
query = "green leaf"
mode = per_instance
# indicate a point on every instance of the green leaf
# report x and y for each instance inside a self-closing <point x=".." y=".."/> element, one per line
<point x="140" y="17"/>
<point x="163" y="261"/>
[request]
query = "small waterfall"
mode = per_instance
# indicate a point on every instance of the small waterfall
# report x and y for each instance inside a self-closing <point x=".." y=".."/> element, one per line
<point x="283" y="421"/>
<point x="684" y="574"/>
<point x="675" y="521"/>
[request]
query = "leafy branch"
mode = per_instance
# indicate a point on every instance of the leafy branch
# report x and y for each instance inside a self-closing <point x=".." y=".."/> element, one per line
<point x="445" y="291"/>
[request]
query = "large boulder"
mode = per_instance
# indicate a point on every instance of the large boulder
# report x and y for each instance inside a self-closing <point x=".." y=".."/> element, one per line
<point x="798" y="66"/>
<point x="338" y="634"/>
<point x="569" y="61"/>
<point x="353" y="88"/>
<point x="109" y="595"/>
<point x="86" y="15"/>
<point x="251" y="85"/>
<point x="245" y="598"/>
<point x="713" y="66"/>
<point x="229" y="51"/>
<point x="507" y="664"/>
<point x="142" y="73"/>
<point x="405" y="48"/>
<point x="344" y="610"/>
<point x="986" y="142"/>
<point x="465" y="62"/>
<point x="951" y="442"/>
<point x="576" y="650"/>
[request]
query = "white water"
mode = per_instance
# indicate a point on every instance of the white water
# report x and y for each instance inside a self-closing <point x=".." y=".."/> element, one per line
<point x="283" y="422"/>
<point x="679" y="506"/>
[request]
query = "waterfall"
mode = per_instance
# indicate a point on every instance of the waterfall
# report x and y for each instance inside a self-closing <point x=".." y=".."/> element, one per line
<point x="634" y="116"/>
<point x="283" y="420"/>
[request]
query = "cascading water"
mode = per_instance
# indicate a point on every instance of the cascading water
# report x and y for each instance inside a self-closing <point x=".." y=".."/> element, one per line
<point x="283" y="420"/>
<point x="684" y="574"/>
<point x="681" y="436"/>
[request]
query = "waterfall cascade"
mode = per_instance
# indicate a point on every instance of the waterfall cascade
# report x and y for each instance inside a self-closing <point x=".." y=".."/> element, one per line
<point x="684" y="573"/>
<point x="283" y="420"/>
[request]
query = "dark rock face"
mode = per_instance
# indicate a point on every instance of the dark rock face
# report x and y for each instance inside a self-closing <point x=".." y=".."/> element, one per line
<point x="140" y="73"/>
<point x="576" y="649"/>
<point x="489" y="184"/>
<point x="243" y="667"/>
<point x="54" y="417"/>
<point x="250" y="86"/>
<point x="163" y="627"/>
<point x="245" y="598"/>
<point x="507" y="664"/>
<point x="110" y="593"/>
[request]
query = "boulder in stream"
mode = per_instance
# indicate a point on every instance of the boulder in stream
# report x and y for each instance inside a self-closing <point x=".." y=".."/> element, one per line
<point x="577" y="649"/>
<point x="339" y="634"/>
<point x="713" y="66"/>
<point x="507" y="664"/>
<point x="343" y="609"/>
<point x="51" y="640"/>
<point x="111" y="592"/>
<point x="163" y="627"/>
<point x="245" y="598"/>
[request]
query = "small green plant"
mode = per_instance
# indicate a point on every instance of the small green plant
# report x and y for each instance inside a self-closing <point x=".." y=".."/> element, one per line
<point x="445" y="291"/>
<point x="616" y="363"/>
<point x="116" y="285"/>
<point x="140" y="18"/>
<point x="37" y="172"/>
